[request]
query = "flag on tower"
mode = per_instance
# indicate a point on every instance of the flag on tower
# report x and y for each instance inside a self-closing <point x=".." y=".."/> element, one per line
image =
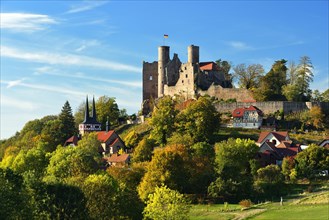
<point x="165" y="35"/>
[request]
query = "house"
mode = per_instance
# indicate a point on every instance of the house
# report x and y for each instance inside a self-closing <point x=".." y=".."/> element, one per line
<point x="325" y="143"/>
<point x="274" y="146"/>
<point x="110" y="141"/>
<point x="251" y="117"/>
<point x="117" y="159"/>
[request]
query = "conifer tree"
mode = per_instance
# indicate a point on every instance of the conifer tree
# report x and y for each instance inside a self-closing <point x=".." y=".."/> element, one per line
<point x="67" y="121"/>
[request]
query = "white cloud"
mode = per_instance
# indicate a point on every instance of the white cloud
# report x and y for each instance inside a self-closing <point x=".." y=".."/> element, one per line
<point x="15" y="103"/>
<point x="52" y="71"/>
<point x="239" y="45"/>
<point x="25" y="22"/>
<point x="47" y="88"/>
<point x="66" y="59"/>
<point x="86" y="6"/>
<point x="87" y="44"/>
<point x="14" y="83"/>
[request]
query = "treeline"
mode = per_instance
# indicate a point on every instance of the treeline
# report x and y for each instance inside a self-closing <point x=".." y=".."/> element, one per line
<point x="284" y="82"/>
<point x="176" y="159"/>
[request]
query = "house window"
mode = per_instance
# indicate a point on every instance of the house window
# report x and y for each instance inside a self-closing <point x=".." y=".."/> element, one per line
<point x="185" y="75"/>
<point x="151" y="78"/>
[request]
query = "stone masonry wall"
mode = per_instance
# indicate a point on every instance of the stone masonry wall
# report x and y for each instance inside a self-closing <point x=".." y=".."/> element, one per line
<point x="272" y="107"/>
<point x="150" y="80"/>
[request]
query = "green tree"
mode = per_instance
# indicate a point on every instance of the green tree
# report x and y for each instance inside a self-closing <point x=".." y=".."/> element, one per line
<point x="271" y="84"/>
<point x="131" y="139"/>
<point x="288" y="168"/>
<point x="144" y="150"/>
<point x="67" y="120"/>
<point x="166" y="167"/>
<point x="225" y="67"/>
<point x="316" y="96"/>
<point x="166" y="203"/>
<point x="199" y="120"/>
<point x="325" y="95"/>
<point x="248" y="76"/>
<point x="107" y="107"/>
<point x="305" y="77"/>
<point x="269" y="180"/>
<point x="311" y="161"/>
<point x="291" y="92"/>
<point x="33" y="160"/>
<point x="163" y="120"/>
<point x="101" y="192"/>
<point x="233" y="168"/>
<point x="13" y="196"/>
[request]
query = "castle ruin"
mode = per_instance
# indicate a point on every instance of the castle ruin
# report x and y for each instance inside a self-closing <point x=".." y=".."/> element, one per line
<point x="189" y="80"/>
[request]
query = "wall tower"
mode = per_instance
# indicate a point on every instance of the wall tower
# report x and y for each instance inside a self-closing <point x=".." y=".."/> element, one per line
<point x="163" y="59"/>
<point x="193" y="54"/>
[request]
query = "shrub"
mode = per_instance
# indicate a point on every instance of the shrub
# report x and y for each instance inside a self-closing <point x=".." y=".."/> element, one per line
<point x="246" y="203"/>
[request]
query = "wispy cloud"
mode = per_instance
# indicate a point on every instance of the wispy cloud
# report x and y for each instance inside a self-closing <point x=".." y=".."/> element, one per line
<point x="47" y="88"/>
<point x="66" y="59"/>
<point x="14" y="83"/>
<point x="25" y="22"/>
<point x="52" y="71"/>
<point x="239" y="45"/>
<point x="85" y="6"/>
<point x="87" y="44"/>
<point x="18" y="104"/>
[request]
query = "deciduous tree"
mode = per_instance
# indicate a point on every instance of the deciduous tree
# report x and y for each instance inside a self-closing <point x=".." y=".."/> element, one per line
<point x="166" y="203"/>
<point x="248" y="76"/>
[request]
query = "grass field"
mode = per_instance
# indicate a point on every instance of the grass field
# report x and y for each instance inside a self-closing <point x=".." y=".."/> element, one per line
<point x="304" y="207"/>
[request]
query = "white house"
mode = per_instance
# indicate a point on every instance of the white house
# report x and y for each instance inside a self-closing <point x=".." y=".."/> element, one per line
<point x="251" y="117"/>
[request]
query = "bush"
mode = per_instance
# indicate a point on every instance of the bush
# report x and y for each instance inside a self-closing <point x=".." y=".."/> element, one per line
<point x="246" y="203"/>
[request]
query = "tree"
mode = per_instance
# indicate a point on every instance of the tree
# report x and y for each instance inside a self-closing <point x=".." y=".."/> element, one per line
<point x="291" y="92"/>
<point x="316" y="117"/>
<point x="107" y="107"/>
<point x="131" y="139"/>
<point x="144" y="150"/>
<point x="316" y="96"/>
<point x="248" y="76"/>
<point x="166" y="203"/>
<point x="80" y="161"/>
<point x="225" y="67"/>
<point x="325" y="95"/>
<point x="166" y="167"/>
<point x="271" y="84"/>
<point x="269" y="180"/>
<point x="101" y="192"/>
<point x="311" y="161"/>
<point x="288" y="168"/>
<point x="305" y="77"/>
<point x="233" y="169"/>
<point x="199" y="120"/>
<point x="163" y="120"/>
<point x="13" y="196"/>
<point x="67" y="120"/>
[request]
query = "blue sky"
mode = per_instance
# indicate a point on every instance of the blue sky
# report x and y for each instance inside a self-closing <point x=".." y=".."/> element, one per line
<point x="53" y="51"/>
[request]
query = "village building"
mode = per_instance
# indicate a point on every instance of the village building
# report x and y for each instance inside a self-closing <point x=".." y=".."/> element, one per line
<point x="111" y="143"/>
<point x="251" y="117"/>
<point x="117" y="160"/>
<point x="275" y="146"/>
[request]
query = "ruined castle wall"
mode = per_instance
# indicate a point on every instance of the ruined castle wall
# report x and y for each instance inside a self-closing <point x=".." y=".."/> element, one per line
<point x="185" y="83"/>
<point x="150" y="80"/>
<point x="227" y="93"/>
<point x="274" y="106"/>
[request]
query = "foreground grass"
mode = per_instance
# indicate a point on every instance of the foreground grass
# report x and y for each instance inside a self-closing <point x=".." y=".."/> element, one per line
<point x="300" y="212"/>
<point x="302" y="207"/>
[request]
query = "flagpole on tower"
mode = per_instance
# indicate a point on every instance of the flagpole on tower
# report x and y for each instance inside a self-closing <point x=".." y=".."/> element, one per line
<point x="165" y="36"/>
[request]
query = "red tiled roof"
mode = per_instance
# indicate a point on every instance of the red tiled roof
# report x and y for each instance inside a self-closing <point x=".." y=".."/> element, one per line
<point x="238" y="112"/>
<point x="103" y="136"/>
<point x="208" y="66"/>
<point x="280" y="135"/>
<point x="115" y="158"/>
<point x="285" y="144"/>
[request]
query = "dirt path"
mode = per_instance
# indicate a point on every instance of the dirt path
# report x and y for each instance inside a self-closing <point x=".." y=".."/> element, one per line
<point x="247" y="213"/>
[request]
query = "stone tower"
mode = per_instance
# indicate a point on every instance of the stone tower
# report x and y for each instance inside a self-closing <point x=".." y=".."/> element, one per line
<point x="89" y="124"/>
<point x="163" y="59"/>
<point x="193" y="54"/>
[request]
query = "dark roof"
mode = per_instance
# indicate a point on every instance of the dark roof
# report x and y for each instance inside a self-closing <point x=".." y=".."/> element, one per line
<point x="88" y="119"/>
<point x="72" y="140"/>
